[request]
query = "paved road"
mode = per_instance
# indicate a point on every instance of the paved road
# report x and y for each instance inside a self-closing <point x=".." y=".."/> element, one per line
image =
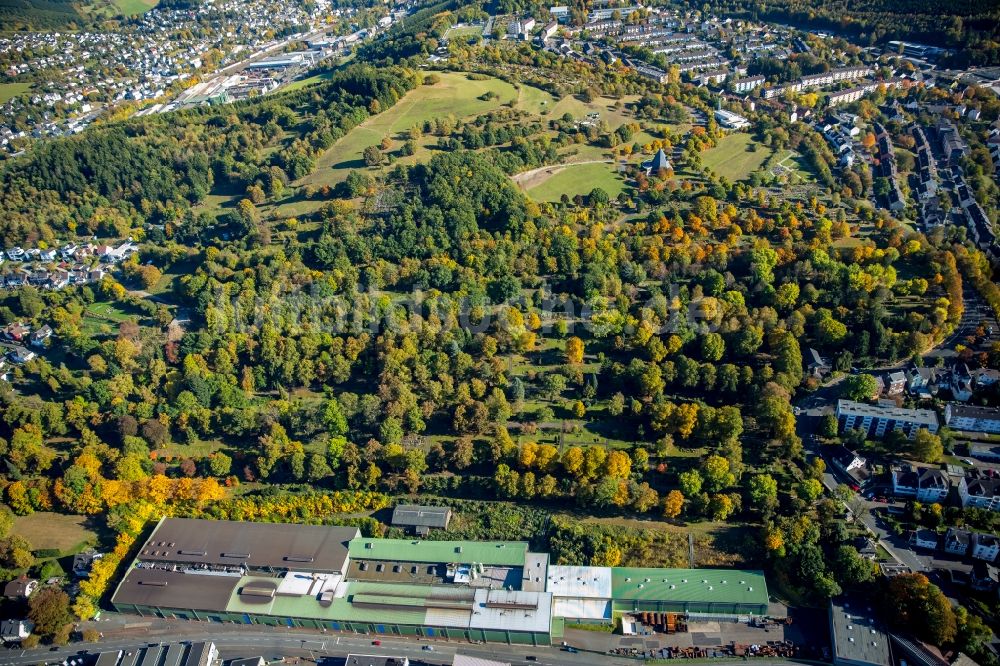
<point x="813" y="407"/>
<point x="273" y="642"/>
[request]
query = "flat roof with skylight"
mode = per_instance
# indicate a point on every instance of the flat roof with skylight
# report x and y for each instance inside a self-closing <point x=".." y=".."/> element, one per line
<point x="496" y="591"/>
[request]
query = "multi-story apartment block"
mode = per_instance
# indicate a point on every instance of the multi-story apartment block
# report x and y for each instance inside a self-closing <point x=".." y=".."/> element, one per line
<point x="877" y="420"/>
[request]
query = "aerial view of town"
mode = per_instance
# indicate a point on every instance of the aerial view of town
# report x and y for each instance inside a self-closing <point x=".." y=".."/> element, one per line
<point x="499" y="332"/>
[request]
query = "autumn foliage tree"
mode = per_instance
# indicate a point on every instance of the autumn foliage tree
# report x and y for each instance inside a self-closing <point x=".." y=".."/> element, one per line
<point x="915" y="604"/>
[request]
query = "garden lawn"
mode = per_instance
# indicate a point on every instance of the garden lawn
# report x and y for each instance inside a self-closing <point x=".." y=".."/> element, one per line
<point x="455" y="94"/>
<point x="9" y="91"/>
<point x="53" y="531"/>
<point x="732" y="158"/>
<point x="575" y="179"/>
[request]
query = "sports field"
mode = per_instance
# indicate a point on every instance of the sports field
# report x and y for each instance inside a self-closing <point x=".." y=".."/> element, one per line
<point x="454" y="94"/>
<point x="732" y="158"/>
<point x="10" y="90"/>
<point x="464" y="32"/>
<point x="574" y="179"/>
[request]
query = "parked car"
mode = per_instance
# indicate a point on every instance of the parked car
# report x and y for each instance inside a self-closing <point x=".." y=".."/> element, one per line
<point x="376" y="642"/>
<point x="429" y="648"/>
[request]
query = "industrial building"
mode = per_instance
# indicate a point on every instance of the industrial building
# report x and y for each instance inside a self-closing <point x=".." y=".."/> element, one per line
<point x="174" y="654"/>
<point x="858" y="638"/>
<point x="421" y="519"/>
<point x="332" y="578"/>
<point x="595" y="593"/>
<point x="731" y="120"/>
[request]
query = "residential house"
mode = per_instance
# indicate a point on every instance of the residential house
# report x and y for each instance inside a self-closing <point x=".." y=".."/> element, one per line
<point x="16" y="332"/>
<point x="956" y="541"/>
<point x="984" y="576"/>
<point x="20" y="588"/>
<point x="980" y="490"/>
<point x="925" y="484"/>
<point x="927" y="539"/>
<point x="985" y="547"/>
<point x="972" y="418"/>
<point x="15" y="631"/>
<point x="895" y="383"/>
<point x="984" y="378"/>
<point x="21" y="355"/>
<point x="866" y="548"/>
<point x="961" y="382"/>
<point x="922" y="382"/>
<point x="845" y="459"/>
<point x="818" y="366"/>
<point x="83" y="561"/>
<point x="39" y="337"/>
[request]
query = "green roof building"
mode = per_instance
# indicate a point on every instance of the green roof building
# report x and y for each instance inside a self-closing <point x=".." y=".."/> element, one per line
<point x="729" y="592"/>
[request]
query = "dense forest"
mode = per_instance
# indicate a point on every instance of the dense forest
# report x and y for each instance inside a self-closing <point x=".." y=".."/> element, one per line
<point x="38" y="14"/>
